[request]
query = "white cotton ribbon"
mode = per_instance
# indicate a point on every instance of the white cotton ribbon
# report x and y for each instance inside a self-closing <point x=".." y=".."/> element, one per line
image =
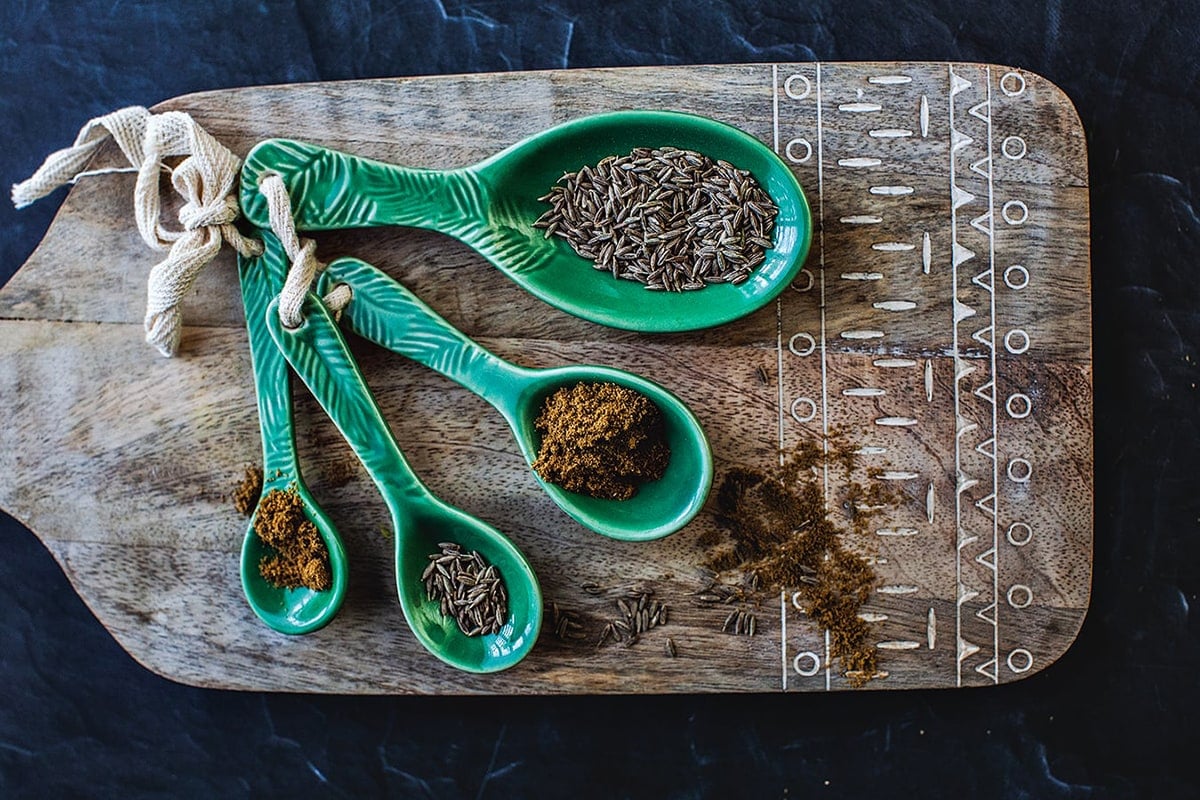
<point x="206" y="179"/>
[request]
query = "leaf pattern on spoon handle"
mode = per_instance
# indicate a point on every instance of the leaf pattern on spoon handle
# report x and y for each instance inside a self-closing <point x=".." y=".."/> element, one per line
<point x="387" y="313"/>
<point x="261" y="279"/>
<point x="319" y="355"/>
<point x="332" y="190"/>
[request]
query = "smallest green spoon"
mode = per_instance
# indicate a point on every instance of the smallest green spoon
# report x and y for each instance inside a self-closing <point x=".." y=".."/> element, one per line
<point x="296" y="610"/>
<point x="421" y="521"/>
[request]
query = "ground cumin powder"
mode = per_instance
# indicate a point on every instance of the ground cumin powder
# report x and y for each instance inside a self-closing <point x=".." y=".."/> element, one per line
<point x="300" y="558"/>
<point x="245" y="496"/>
<point x="780" y="531"/>
<point x="601" y="439"/>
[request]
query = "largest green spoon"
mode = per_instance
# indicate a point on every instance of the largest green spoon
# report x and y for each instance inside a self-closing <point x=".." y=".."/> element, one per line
<point x="492" y="206"/>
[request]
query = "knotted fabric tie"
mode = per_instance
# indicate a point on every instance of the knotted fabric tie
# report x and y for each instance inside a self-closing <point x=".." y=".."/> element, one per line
<point x="206" y="179"/>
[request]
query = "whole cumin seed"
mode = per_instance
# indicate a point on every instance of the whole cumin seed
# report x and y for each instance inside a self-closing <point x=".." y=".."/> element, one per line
<point x="674" y="220"/>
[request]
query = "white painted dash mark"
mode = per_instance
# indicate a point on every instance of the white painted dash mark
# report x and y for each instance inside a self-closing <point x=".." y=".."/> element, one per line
<point x="924" y="116"/>
<point x="892" y="191"/>
<point x="872" y="616"/>
<point x="859" y="162"/>
<point x="863" y="391"/>
<point x="895" y="305"/>
<point x="897" y="532"/>
<point x="898" y="645"/>
<point x="866" y="334"/>
<point x="893" y="247"/>
<point x="931" y="629"/>
<point x="897" y="475"/>
<point x="889" y="80"/>
<point x="896" y="422"/>
<point x="926" y="252"/>
<point x="870" y="450"/>
<point x="929" y="503"/>
<point x="890" y="133"/>
<point x="898" y="588"/>
<point x="929" y="380"/>
<point x="860" y="108"/>
<point x="862" y="276"/>
<point x="862" y="219"/>
<point x="894" y="363"/>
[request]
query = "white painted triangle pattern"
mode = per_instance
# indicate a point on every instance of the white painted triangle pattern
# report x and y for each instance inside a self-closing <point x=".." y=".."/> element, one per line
<point x="989" y="669"/>
<point x="961" y="254"/>
<point x="966" y="649"/>
<point x="960" y="197"/>
<point x="957" y="84"/>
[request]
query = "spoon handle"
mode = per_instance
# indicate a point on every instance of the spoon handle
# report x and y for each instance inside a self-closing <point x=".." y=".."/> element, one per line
<point x="261" y="278"/>
<point x="387" y="313"/>
<point x="332" y="190"/>
<point x="319" y="355"/>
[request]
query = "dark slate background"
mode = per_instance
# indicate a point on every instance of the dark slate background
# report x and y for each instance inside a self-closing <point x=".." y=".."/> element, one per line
<point x="1114" y="718"/>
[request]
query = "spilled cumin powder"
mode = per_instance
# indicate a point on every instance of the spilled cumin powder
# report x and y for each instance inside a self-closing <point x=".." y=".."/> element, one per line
<point x="779" y="530"/>
<point x="300" y="557"/>
<point x="245" y="496"/>
<point x="601" y="439"/>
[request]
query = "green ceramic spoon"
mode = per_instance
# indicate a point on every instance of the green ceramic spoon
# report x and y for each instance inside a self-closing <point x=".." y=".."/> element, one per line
<point x="491" y="206"/>
<point x="388" y="314"/>
<point x="318" y="354"/>
<point x="299" y="610"/>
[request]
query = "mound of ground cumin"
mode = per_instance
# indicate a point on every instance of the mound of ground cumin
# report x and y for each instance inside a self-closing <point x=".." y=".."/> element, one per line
<point x="300" y="557"/>
<point x="601" y="439"/>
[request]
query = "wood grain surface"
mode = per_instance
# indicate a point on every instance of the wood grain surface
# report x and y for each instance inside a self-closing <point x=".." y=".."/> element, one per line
<point x="942" y="324"/>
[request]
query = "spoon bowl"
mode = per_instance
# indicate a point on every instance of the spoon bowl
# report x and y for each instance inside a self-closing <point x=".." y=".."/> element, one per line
<point x="385" y="312"/>
<point x="420" y="521"/>
<point x="300" y="610"/>
<point x="492" y="206"/>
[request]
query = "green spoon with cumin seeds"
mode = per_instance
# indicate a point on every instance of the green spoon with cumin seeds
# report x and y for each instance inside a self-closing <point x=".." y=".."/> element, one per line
<point x="491" y="206"/>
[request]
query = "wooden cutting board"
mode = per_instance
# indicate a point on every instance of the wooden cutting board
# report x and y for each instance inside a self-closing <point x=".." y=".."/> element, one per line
<point x="942" y="324"/>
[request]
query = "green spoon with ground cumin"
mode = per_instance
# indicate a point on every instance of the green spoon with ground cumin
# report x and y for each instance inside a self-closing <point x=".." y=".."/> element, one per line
<point x="287" y="610"/>
<point x="385" y="312"/>
<point x="492" y="207"/>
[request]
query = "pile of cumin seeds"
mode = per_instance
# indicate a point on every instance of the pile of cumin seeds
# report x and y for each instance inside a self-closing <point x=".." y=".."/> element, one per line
<point x="639" y="612"/>
<point x="674" y="220"/>
<point x="468" y="589"/>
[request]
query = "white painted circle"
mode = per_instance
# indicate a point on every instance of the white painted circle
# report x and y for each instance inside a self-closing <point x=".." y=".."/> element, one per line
<point x="790" y="92"/>
<point x="1016" y="341"/>
<point x="1024" y="657"/>
<point x="793" y="157"/>
<point x="1020" y="470"/>
<point x="796" y="601"/>
<point x="1012" y="84"/>
<point x="1015" y="212"/>
<point x="1019" y="406"/>
<point x="1013" y="147"/>
<point x="812" y="658"/>
<point x="1020" y="281"/>
<point x="808" y="351"/>
<point x="1012" y="534"/>
<point x="812" y="409"/>
<point x="808" y="286"/>
<point x="1020" y="596"/>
